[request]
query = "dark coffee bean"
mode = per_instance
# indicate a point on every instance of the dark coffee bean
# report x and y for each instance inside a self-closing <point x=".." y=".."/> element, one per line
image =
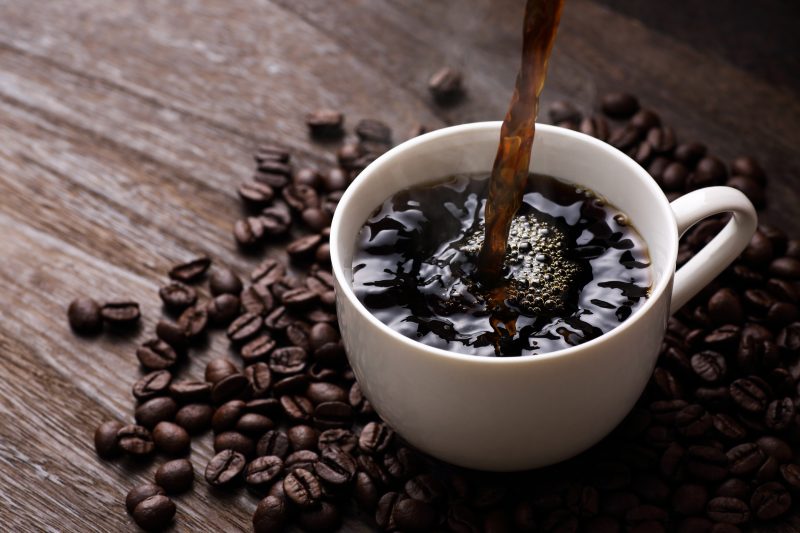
<point x="84" y="315"/>
<point x="264" y="406"/>
<point x="298" y="334"/>
<point x="321" y="334"/>
<point x="728" y="427"/>
<point x="645" y="120"/>
<point x="152" y="385"/>
<point x="172" y="334"/>
<point x="303" y="437"/>
<point x="304" y="247"/>
<point x="375" y="437"/>
<point x="745" y="458"/>
<point x="372" y="130"/>
<point x="191" y="270"/>
<point x="274" y="442"/>
<point x="325" y="123"/>
<point x="245" y="327"/>
<point x="270" y="516"/>
<point x="357" y="400"/>
<point x="425" y="488"/>
<point x="749" y="394"/>
<point x="307" y="176"/>
<point x="123" y="313"/>
<point x="301" y="459"/>
<point x="674" y="176"/>
<point x="713" y="397"/>
<point x="750" y="188"/>
<point x="297" y="408"/>
<point x="624" y="138"/>
<point x="725" y="307"/>
<point x="234" y="386"/>
<point x="791" y="475"/>
<point x="347" y="155"/>
<point x="385" y="510"/>
<point x="276" y="220"/>
<point x="706" y="463"/>
<point x="262" y="471"/>
<point x="315" y="218"/>
<point x="365" y="492"/>
<point x="330" y="415"/>
<point x="177" y="295"/>
<point x="619" y="105"/>
<point x="218" y="369"/>
<point x="233" y="440"/>
<point x="709" y="366"/>
<point x="255" y="193"/>
<point x="728" y="510"/>
<point x="154" y="513"/>
<point x="734" y="488"/>
<point x="248" y="231"/>
<point x="254" y="424"/>
<point x="295" y="384"/>
<point x="224" y="281"/>
<point x="785" y="268"/>
<point x="156" y="354"/>
<point x="135" y="440"/>
<point x="272" y="175"/>
<point x="224" y="467"/>
<point x="227" y="415"/>
<point x="194" y="417"/>
<point x="789" y="337"/>
<point x="780" y="414"/>
<point x="693" y="421"/>
<point x="335" y="466"/>
<point x="770" y="500"/>
<point x="561" y="111"/>
<point x="272" y="152"/>
<point x="302" y="488"/>
<point x="288" y="360"/>
<point x="175" y="476"/>
<point x="298" y="299"/>
<point x="140" y="493"/>
<point x="334" y="180"/>
<point x="445" y="85"/>
<point x="747" y="166"/>
<point x="279" y="319"/>
<point x="257" y="300"/>
<point x="193" y="321"/>
<point x="260" y="379"/>
<point x="326" y="392"/>
<point x="301" y="197"/>
<point x="106" y="439"/>
<point x="190" y="391"/>
<point x="662" y="139"/>
<point x="665" y="411"/>
<point x="690" y="153"/>
<point x="775" y="447"/>
<point x="155" y="410"/>
<point x="171" y="438"/>
<point x="375" y="470"/>
<point x="342" y="438"/>
<point x="414" y="515"/>
<point x="595" y="126"/>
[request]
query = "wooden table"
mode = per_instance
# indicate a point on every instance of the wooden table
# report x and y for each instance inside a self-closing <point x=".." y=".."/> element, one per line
<point x="124" y="127"/>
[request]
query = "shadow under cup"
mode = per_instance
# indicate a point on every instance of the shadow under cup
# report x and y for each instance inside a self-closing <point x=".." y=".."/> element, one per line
<point x="509" y="413"/>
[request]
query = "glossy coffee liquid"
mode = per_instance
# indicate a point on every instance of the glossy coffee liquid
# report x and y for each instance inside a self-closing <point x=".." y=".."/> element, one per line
<point x="573" y="268"/>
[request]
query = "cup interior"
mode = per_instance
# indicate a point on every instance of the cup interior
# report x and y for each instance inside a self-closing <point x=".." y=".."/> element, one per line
<point x="558" y="152"/>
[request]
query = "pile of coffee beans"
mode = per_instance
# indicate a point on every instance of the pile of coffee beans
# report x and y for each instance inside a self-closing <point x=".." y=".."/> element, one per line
<point x="711" y="446"/>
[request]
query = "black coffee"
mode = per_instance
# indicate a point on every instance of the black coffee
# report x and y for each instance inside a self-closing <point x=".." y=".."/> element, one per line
<point x="574" y="268"/>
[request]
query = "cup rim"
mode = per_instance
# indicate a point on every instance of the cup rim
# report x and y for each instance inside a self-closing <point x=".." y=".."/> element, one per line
<point x="350" y="195"/>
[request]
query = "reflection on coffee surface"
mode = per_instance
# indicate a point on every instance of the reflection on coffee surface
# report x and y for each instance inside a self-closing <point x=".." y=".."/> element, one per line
<point x="573" y="269"/>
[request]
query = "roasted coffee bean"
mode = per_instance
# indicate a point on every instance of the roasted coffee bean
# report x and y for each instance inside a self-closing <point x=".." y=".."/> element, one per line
<point x="374" y="469"/>
<point x="227" y="415"/>
<point x="275" y="220"/>
<point x="298" y="334"/>
<point x="561" y="111"/>
<point x="300" y="197"/>
<point x="218" y="369"/>
<point x="321" y="334"/>
<point x="84" y="315"/>
<point x="154" y="513"/>
<point x="667" y="384"/>
<point x="254" y="424"/>
<point x="303" y="437"/>
<point x="224" y="281"/>
<point x="191" y="270"/>
<point x="156" y="354"/>
<point x="190" y="391"/>
<point x="330" y="415"/>
<point x="358" y="401"/>
<point x="248" y="231"/>
<point x="325" y="123"/>
<point x="645" y="119"/>
<point x="347" y="155"/>
<point x="193" y="321"/>
<point x="135" y="440"/>
<point x="270" y="516"/>
<point x="706" y="463"/>
<point x="445" y="85"/>
<point x="401" y="463"/>
<point x="233" y="440"/>
<point x="413" y="515"/>
<point x="791" y="475"/>
<point x="290" y="385"/>
<point x="750" y="188"/>
<point x="780" y="414"/>
<point x="662" y="139"/>
<point x="177" y="296"/>
<point x="155" y="410"/>
<point x="725" y="307"/>
<point x="234" y="386"/>
<point x="770" y="500"/>
<point x="194" y="417"/>
<point x="298" y="299"/>
<point x="140" y="493"/>
<point x="365" y="492"/>
<point x="288" y="360"/>
<point x="789" y="337"/>
<point x="268" y="272"/>
<point x="304" y="247"/>
<point x="302" y="488"/>
<point x="375" y="438"/>
<point x="335" y="466"/>
<point x="262" y="471"/>
<point x="307" y="176"/>
<point x="693" y="421"/>
<point x="745" y="458"/>
<point x="106" y="439"/>
<point x="342" y="438"/>
<point x="301" y="459"/>
<point x="385" y="510"/>
<point x="257" y="300"/>
<point x="255" y="193"/>
<point x="123" y="313"/>
<point x="425" y="488"/>
<point x="320" y="518"/>
<point x="624" y="138"/>
<point x="245" y="327"/>
<point x="326" y="392"/>
<point x="619" y="105"/>
<point x="709" y="366"/>
<point x="595" y="126"/>
<point x="690" y="153"/>
<point x="747" y="166"/>
<point x="728" y="427"/>
<point x="274" y="442"/>
<point x="785" y="268"/>
<point x="272" y="175"/>
<point x="371" y="130"/>
<point x="665" y="411"/>
<point x="171" y="438"/>
<point x="315" y="218"/>
<point x="749" y="394"/>
<point x="172" y="334"/>
<point x="334" y="180"/>
<point x="264" y="406"/>
<point x="297" y="408"/>
<point x="175" y="476"/>
<point x="260" y="379"/>
<point x="224" y="467"/>
<point x="152" y="385"/>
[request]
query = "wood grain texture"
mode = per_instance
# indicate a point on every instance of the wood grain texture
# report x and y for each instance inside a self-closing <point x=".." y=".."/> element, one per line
<point x="125" y="126"/>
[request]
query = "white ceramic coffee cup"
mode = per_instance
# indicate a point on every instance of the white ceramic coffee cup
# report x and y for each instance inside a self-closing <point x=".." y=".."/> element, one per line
<point x="517" y="413"/>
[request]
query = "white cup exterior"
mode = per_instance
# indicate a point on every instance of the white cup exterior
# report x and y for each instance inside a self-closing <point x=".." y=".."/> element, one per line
<point x="518" y="413"/>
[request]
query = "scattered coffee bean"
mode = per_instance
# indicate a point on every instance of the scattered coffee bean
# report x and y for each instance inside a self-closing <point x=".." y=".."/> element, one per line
<point x="193" y="321"/>
<point x="123" y="313"/>
<point x="245" y="327"/>
<point x="302" y="488"/>
<point x="135" y="440"/>
<point x="302" y="437"/>
<point x="154" y="513"/>
<point x="177" y="296"/>
<point x="262" y="471"/>
<point x="155" y="410"/>
<point x="84" y="315"/>
<point x="191" y="270"/>
<point x="106" y="439"/>
<point x="171" y="438"/>
<point x="172" y="334"/>
<point x="152" y="385"/>
<point x="175" y="476"/>
<point x="375" y="437"/>
<point x="274" y="442"/>
<point x="371" y="130"/>
<point x="297" y="408"/>
<point x="770" y="500"/>
<point x="325" y="123"/>
<point x="156" y="354"/>
<point x="225" y="467"/>
<point x="218" y="369"/>
<point x="233" y="386"/>
<point x="619" y="105"/>
<point x="194" y="417"/>
<point x="140" y="493"/>
<point x="445" y="84"/>
<point x="256" y="194"/>
<point x="225" y="281"/>
<point x="190" y="391"/>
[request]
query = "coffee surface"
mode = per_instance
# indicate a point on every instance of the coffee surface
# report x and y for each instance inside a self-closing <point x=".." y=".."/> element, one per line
<point x="573" y="269"/>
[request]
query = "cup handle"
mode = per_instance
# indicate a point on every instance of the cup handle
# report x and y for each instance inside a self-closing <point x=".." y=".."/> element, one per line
<point x="723" y="248"/>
